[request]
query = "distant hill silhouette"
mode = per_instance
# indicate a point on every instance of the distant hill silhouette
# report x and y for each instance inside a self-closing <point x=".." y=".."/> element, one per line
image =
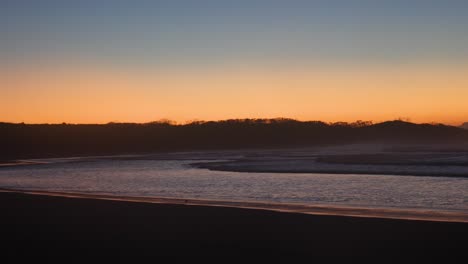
<point x="464" y="125"/>
<point x="55" y="140"/>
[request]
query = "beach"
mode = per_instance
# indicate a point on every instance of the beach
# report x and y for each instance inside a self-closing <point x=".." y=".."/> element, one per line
<point x="44" y="225"/>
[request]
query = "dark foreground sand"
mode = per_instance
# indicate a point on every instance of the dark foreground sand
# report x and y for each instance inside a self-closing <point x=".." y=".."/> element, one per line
<point x="38" y="226"/>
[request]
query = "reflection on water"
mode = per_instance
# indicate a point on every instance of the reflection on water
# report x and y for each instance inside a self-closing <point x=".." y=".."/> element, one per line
<point x="175" y="178"/>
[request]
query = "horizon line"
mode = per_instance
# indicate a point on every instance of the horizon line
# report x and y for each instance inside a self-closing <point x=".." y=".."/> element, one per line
<point x="201" y="121"/>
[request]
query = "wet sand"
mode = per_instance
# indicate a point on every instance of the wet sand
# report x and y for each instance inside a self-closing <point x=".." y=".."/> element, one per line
<point x="44" y="225"/>
<point x="313" y="209"/>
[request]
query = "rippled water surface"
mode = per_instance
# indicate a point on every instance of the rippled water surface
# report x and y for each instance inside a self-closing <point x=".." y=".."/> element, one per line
<point x="176" y="178"/>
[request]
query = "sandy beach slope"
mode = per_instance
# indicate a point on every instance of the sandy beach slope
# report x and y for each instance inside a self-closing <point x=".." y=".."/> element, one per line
<point x="42" y="225"/>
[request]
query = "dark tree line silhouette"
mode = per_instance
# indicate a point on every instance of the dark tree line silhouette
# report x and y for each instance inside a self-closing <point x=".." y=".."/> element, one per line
<point x="55" y="140"/>
<point x="464" y="125"/>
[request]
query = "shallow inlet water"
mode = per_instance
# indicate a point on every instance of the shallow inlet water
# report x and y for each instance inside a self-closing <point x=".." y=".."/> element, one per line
<point x="177" y="179"/>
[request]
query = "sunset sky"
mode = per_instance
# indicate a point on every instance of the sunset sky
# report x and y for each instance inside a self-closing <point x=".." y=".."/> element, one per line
<point x="139" y="61"/>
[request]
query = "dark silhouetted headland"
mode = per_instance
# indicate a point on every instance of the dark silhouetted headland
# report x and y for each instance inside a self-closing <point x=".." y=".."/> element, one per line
<point x="58" y="140"/>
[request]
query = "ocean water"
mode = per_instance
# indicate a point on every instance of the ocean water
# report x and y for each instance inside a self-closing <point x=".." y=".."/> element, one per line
<point x="177" y="179"/>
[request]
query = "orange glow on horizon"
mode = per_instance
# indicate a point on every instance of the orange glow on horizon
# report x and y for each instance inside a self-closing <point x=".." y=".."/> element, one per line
<point x="83" y="94"/>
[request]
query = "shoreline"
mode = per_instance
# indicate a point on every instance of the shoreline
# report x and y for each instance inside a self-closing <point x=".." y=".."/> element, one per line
<point x="18" y="163"/>
<point x="344" y="172"/>
<point x="317" y="209"/>
<point x="213" y="166"/>
<point x="232" y="166"/>
<point x="323" y="161"/>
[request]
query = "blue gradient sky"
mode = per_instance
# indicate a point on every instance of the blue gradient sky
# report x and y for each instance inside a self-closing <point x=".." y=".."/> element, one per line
<point x="259" y="38"/>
